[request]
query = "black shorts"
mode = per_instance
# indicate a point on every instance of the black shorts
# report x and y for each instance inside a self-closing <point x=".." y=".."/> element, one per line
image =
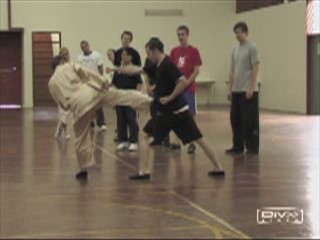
<point x="182" y="124"/>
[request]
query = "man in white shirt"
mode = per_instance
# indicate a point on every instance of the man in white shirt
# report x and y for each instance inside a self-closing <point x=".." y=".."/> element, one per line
<point x="93" y="61"/>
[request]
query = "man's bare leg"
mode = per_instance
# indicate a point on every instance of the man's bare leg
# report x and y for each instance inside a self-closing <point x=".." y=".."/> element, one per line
<point x="144" y="150"/>
<point x="144" y="153"/>
<point x="218" y="169"/>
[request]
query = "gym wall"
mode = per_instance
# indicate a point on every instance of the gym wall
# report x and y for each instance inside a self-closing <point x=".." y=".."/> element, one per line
<point x="278" y="31"/>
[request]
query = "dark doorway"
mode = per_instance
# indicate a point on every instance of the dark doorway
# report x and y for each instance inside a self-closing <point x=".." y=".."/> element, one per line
<point x="11" y="69"/>
<point x="313" y="72"/>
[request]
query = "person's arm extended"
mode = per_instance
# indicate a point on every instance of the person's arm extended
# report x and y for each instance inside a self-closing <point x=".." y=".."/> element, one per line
<point x="91" y="78"/>
<point x="128" y="70"/>
<point x="253" y="82"/>
<point x="180" y="87"/>
<point x="194" y="75"/>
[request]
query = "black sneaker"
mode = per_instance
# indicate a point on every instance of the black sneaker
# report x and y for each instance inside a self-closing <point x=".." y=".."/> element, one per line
<point x="191" y="148"/>
<point x="92" y="125"/>
<point x="216" y="173"/>
<point x="233" y="151"/>
<point x="145" y="176"/>
<point x="82" y="175"/>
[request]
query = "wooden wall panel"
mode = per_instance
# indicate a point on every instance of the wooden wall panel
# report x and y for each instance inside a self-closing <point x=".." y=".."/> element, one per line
<point x="42" y="71"/>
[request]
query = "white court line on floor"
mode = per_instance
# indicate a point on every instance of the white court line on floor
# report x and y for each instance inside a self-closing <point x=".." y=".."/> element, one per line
<point x="190" y="203"/>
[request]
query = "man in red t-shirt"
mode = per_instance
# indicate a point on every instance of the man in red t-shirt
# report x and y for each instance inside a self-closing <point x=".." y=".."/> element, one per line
<point x="187" y="59"/>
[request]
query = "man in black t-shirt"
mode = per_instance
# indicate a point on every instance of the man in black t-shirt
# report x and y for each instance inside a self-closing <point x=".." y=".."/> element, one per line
<point x="150" y="84"/>
<point x="170" y="107"/>
<point x="126" y="39"/>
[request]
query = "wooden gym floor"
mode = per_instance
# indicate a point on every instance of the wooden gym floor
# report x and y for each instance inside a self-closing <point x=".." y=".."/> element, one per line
<point x="40" y="197"/>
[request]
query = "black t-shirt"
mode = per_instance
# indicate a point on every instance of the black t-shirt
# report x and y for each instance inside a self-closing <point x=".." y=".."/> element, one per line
<point x="136" y="60"/>
<point x="124" y="81"/>
<point x="148" y="63"/>
<point x="166" y="76"/>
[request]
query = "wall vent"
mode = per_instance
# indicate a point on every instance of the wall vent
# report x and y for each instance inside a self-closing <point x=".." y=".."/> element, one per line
<point x="163" y="12"/>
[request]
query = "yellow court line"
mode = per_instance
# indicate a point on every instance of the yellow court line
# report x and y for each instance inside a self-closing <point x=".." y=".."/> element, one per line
<point x="209" y="214"/>
<point x="193" y="205"/>
<point x="217" y="231"/>
<point x="202" y="224"/>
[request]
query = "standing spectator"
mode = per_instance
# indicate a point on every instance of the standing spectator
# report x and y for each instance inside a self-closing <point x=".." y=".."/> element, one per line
<point x="93" y="61"/>
<point x="126" y="39"/>
<point x="243" y="94"/>
<point x="187" y="58"/>
<point x="127" y="116"/>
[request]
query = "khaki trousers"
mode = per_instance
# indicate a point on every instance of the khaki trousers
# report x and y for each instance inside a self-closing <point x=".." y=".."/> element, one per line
<point x="83" y="142"/>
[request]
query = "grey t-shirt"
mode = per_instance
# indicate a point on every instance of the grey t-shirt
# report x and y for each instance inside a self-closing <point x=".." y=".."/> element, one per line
<point x="243" y="59"/>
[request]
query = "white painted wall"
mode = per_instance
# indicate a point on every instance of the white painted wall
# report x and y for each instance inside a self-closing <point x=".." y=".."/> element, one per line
<point x="4" y="15"/>
<point x="101" y="23"/>
<point x="278" y="31"/>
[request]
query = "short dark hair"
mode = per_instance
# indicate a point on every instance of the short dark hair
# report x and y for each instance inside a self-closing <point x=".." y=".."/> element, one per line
<point x="129" y="51"/>
<point x="84" y="42"/>
<point x="184" y="28"/>
<point x="56" y="62"/>
<point x="155" y="43"/>
<point x="126" y="32"/>
<point x="242" y="25"/>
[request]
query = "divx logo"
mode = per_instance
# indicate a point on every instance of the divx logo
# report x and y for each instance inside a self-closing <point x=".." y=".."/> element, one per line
<point x="288" y="215"/>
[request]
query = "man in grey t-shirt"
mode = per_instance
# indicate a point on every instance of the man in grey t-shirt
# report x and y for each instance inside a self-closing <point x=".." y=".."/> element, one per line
<point x="243" y="94"/>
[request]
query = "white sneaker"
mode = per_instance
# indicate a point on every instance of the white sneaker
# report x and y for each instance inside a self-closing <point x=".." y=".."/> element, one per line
<point x="122" y="146"/>
<point x="133" y="147"/>
<point x="103" y="127"/>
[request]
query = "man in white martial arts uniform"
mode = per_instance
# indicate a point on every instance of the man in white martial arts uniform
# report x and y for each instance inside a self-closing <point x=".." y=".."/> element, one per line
<point x="83" y="91"/>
